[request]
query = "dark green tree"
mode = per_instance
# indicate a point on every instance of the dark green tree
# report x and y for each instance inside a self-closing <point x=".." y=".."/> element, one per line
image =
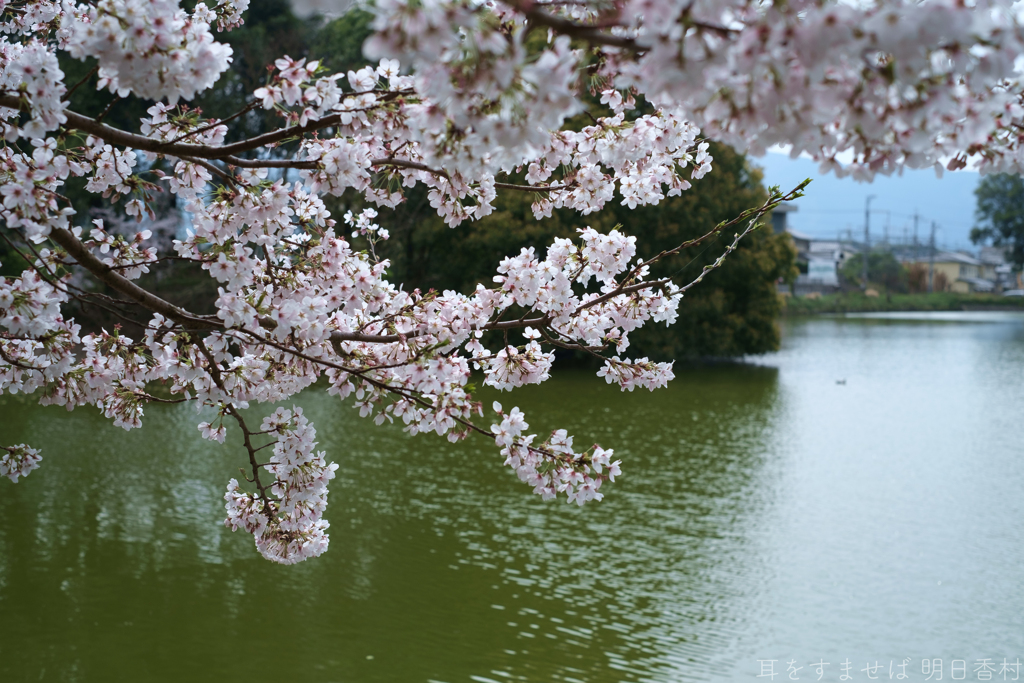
<point x="883" y="269"/>
<point x="339" y="44"/>
<point x="733" y="312"/>
<point x="1000" y="214"/>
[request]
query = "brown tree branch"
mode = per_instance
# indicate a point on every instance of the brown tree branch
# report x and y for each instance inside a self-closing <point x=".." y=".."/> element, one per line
<point x="202" y="154"/>
<point x="119" y="283"/>
<point x="590" y="34"/>
<point x="120" y="137"/>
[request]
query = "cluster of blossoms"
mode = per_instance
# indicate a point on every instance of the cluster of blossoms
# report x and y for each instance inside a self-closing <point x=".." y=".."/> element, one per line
<point x="18" y="461"/>
<point x="379" y="149"/>
<point x="112" y="167"/>
<point x="228" y="13"/>
<point x="31" y="68"/>
<point x="37" y="346"/>
<point x="553" y="467"/>
<point x="481" y="80"/>
<point x="364" y="226"/>
<point x="294" y="529"/>
<point x="152" y="48"/>
<point x="898" y="83"/>
<point x="128" y="257"/>
<point x="166" y="122"/>
<point x="638" y="373"/>
<point x="300" y="97"/>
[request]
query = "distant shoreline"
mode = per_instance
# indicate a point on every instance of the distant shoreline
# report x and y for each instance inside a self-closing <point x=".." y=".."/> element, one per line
<point x="856" y="302"/>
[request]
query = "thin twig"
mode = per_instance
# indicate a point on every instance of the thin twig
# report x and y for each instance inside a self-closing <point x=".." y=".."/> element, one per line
<point x="106" y="110"/>
<point x="213" y="124"/>
<point x="67" y="95"/>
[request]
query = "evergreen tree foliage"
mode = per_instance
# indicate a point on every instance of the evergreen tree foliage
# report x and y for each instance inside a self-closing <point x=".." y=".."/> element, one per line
<point x="1000" y="214"/>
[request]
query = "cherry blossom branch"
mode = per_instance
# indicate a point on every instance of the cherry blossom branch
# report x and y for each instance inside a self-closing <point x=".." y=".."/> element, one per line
<point x="213" y="124"/>
<point x="106" y="109"/>
<point x="11" y="361"/>
<point x="398" y="391"/>
<point x="774" y="200"/>
<point x="246" y="434"/>
<point x="84" y="79"/>
<point x="533" y="188"/>
<point x="288" y="283"/>
<point x="752" y="215"/>
<point x="268" y="163"/>
<point x="143" y="297"/>
<point x="268" y="509"/>
<point x="117" y="136"/>
<point x="226" y="177"/>
<point x="79" y="294"/>
<point x="590" y="34"/>
<point x="108" y="276"/>
<point x="156" y="399"/>
<point x="300" y="164"/>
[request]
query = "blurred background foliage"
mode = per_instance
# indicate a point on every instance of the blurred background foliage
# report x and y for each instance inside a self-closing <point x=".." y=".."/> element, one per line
<point x="1000" y="214"/>
<point x="884" y="271"/>
<point x="733" y="312"/>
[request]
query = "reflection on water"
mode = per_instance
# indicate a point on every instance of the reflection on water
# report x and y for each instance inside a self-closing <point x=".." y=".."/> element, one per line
<point x="856" y="495"/>
<point x="980" y="317"/>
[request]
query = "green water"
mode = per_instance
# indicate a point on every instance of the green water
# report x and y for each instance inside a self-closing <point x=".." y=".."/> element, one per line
<point x="766" y="512"/>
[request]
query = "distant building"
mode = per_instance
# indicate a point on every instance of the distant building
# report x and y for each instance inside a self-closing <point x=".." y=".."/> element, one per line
<point x="824" y="259"/>
<point x="818" y="262"/>
<point x="958" y="272"/>
<point x="822" y="272"/>
<point x="779" y="214"/>
<point x="998" y="268"/>
<point x="817" y="268"/>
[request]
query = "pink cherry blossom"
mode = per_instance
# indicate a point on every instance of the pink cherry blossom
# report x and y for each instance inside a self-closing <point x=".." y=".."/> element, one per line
<point x="304" y="296"/>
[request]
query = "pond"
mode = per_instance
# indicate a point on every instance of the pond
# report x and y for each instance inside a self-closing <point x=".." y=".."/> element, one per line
<point x="856" y="497"/>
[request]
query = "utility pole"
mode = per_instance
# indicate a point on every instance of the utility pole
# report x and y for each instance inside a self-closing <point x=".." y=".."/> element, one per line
<point x="888" y="217"/>
<point x="916" y="253"/>
<point x="931" y="261"/>
<point x="867" y="236"/>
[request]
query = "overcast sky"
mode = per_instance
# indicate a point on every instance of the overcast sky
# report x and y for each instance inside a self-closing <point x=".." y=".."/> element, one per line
<point x="833" y="205"/>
